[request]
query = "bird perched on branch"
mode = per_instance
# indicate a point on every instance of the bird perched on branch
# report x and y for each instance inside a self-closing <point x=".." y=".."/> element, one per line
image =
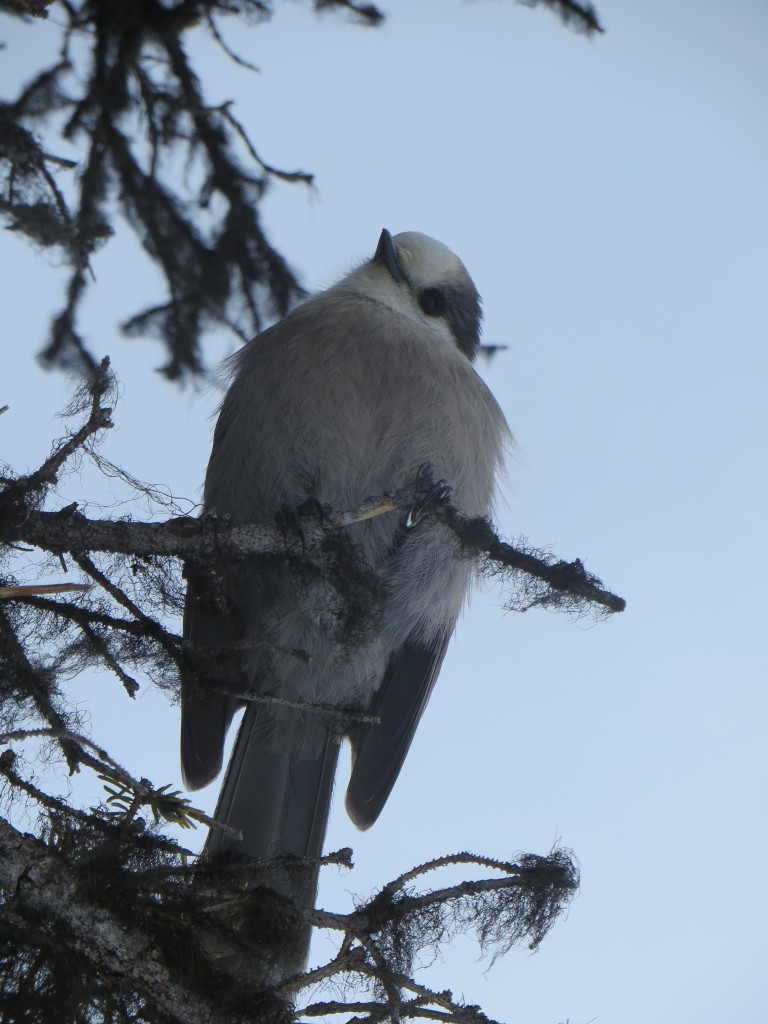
<point x="346" y="398"/>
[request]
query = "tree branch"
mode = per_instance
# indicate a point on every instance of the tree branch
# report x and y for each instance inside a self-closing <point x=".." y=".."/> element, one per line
<point x="212" y="540"/>
<point x="43" y="882"/>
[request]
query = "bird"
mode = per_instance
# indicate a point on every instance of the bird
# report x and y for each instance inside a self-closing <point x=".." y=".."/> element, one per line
<point x="349" y="396"/>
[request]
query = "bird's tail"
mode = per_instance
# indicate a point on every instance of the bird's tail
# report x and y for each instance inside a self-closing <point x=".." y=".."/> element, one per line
<point x="279" y="800"/>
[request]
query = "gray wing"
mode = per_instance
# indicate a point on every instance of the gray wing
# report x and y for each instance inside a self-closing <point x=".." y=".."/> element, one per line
<point x="378" y="751"/>
<point x="205" y="713"/>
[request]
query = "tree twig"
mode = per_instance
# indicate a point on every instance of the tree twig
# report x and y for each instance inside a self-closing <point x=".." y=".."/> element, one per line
<point x="42" y="588"/>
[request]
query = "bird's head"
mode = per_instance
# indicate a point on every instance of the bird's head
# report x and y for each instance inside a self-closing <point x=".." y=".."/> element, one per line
<point x="419" y="277"/>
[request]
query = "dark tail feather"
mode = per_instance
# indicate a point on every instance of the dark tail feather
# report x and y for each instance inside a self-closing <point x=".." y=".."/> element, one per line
<point x="280" y="802"/>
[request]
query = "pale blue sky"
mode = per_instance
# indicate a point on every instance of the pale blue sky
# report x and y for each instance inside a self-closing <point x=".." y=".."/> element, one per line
<point x="610" y="199"/>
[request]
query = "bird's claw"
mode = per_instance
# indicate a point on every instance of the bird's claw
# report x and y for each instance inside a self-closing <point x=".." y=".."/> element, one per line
<point x="312" y="506"/>
<point x="289" y="519"/>
<point x="437" y="494"/>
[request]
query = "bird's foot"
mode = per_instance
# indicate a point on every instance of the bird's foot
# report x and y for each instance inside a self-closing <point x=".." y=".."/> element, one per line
<point x="430" y="495"/>
<point x="289" y="519"/>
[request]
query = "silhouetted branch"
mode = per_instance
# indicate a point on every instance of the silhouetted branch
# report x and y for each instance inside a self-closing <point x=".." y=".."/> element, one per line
<point x="125" y="93"/>
<point x="580" y="17"/>
<point x="43" y="883"/>
<point x="208" y="538"/>
<point x="172" y="807"/>
<point x="140" y="936"/>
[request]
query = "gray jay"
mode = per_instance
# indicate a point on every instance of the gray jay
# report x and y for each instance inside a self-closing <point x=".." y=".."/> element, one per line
<point x="344" y="399"/>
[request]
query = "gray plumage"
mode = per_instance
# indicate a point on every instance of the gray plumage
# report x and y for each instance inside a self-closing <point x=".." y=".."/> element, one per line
<point x="344" y="399"/>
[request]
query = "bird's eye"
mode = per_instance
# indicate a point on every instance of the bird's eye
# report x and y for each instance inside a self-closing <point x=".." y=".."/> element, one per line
<point x="432" y="301"/>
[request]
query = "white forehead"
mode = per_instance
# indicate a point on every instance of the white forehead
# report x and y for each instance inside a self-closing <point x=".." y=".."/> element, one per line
<point x="424" y="259"/>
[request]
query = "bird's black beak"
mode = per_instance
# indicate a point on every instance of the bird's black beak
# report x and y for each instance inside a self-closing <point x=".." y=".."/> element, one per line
<point x="387" y="254"/>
